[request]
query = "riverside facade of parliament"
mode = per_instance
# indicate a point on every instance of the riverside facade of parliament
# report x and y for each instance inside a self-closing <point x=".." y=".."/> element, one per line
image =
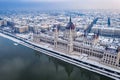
<point x="90" y="47"/>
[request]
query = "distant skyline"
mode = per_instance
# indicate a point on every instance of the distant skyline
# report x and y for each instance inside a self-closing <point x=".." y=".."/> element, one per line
<point x="64" y="4"/>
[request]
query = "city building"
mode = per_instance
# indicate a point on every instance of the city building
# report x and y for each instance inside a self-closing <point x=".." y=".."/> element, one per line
<point x="3" y="23"/>
<point x="21" y="29"/>
<point x="89" y="45"/>
<point x="90" y="40"/>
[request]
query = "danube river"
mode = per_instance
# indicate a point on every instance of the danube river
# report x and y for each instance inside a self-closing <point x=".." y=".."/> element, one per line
<point x="18" y="62"/>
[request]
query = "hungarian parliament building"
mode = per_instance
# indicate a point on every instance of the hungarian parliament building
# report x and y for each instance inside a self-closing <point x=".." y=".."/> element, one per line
<point x="68" y="42"/>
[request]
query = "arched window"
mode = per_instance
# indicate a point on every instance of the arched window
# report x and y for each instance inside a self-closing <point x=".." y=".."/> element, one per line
<point x="110" y="56"/>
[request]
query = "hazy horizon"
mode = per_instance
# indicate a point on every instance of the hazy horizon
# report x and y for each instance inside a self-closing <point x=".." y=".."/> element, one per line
<point x="62" y="4"/>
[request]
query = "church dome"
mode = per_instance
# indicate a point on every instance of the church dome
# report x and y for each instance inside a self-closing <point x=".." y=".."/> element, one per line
<point x="70" y="25"/>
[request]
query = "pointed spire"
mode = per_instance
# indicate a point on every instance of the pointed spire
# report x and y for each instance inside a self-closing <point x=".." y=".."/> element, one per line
<point x="70" y="18"/>
<point x="98" y="32"/>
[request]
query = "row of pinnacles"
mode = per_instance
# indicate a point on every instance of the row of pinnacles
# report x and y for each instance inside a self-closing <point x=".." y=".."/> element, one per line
<point x="67" y="44"/>
<point x="69" y="35"/>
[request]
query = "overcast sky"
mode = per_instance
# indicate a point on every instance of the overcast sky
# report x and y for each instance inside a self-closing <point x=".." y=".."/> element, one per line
<point x="74" y="4"/>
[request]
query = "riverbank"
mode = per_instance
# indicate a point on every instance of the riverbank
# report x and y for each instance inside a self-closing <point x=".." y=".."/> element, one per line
<point x="10" y="38"/>
<point x="67" y="58"/>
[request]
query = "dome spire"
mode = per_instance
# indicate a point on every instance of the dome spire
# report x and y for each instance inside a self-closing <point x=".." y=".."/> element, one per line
<point x="70" y="18"/>
<point x="70" y="25"/>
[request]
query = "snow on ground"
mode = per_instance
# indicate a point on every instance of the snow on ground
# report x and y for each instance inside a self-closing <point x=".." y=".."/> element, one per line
<point x="10" y="38"/>
<point x="85" y="59"/>
<point x="81" y="57"/>
<point x="25" y="36"/>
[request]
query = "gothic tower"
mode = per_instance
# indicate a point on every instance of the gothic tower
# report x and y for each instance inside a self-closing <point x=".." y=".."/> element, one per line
<point x="69" y="34"/>
<point x="55" y="36"/>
